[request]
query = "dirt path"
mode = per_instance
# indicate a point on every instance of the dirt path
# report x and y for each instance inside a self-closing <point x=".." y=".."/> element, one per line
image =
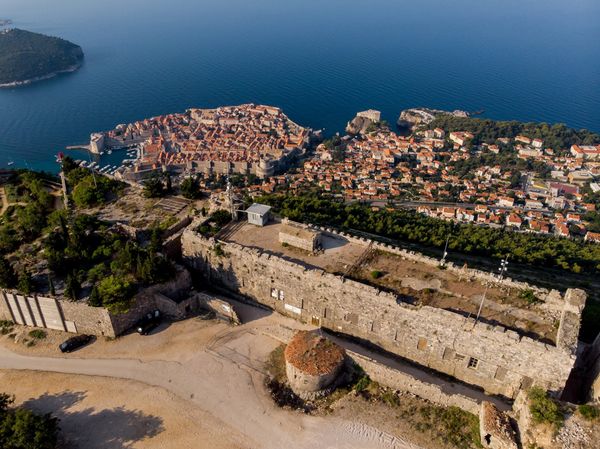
<point x="221" y="378"/>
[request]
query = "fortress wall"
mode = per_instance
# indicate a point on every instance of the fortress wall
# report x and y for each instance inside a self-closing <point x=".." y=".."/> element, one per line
<point x="398" y="380"/>
<point x="442" y="340"/>
<point x="552" y="298"/>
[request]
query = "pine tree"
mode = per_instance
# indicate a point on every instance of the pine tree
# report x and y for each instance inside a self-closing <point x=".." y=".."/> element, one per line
<point x="95" y="299"/>
<point x="25" y="283"/>
<point x="51" y="285"/>
<point x="72" y="287"/>
<point x="8" y="278"/>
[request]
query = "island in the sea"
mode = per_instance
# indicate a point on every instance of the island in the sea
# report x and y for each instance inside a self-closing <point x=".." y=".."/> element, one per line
<point x="26" y="57"/>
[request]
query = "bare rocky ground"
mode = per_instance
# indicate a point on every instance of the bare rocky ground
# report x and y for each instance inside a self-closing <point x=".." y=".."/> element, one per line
<point x="175" y="342"/>
<point x="105" y="413"/>
<point x="191" y="384"/>
<point x="201" y="384"/>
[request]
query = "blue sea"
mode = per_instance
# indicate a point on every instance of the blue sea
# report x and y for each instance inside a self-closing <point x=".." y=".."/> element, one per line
<point x="321" y="61"/>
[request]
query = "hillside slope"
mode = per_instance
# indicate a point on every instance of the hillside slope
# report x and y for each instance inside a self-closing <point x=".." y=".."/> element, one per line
<point x="27" y="56"/>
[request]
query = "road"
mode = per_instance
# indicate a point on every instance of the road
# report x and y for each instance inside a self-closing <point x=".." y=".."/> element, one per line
<point x="224" y="379"/>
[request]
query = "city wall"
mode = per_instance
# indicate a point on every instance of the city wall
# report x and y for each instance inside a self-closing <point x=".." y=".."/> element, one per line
<point x="499" y="360"/>
<point x="552" y="298"/>
<point x="400" y="381"/>
<point x="593" y="358"/>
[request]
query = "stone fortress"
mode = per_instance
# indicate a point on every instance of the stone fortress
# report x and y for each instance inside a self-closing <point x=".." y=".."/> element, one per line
<point x="292" y="280"/>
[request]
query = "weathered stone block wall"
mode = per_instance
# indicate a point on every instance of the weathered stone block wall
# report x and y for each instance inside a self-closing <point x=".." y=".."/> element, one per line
<point x="405" y="382"/>
<point x="567" y="337"/>
<point x="396" y="379"/>
<point x="53" y="313"/>
<point x="303" y="384"/>
<point x="159" y="297"/>
<point x="594" y="370"/>
<point x="499" y="360"/>
<point x="87" y="319"/>
<point x="297" y="242"/>
<point x="221" y="307"/>
<point x="495" y="429"/>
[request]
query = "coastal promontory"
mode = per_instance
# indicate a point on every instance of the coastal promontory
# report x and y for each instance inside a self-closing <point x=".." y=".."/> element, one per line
<point x="26" y="57"/>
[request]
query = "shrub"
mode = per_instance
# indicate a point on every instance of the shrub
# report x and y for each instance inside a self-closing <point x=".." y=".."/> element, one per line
<point x="25" y="283"/>
<point x="6" y="327"/>
<point x="462" y="428"/>
<point x="115" y="293"/>
<point x="376" y="274"/>
<point x="544" y="410"/>
<point x="38" y="334"/>
<point x="390" y="398"/>
<point x="529" y="296"/>
<point x="362" y="384"/>
<point x="219" y="250"/>
<point x="221" y="218"/>
<point x="589" y="412"/>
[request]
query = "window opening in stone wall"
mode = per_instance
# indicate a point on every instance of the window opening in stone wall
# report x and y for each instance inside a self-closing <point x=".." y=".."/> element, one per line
<point x="473" y="363"/>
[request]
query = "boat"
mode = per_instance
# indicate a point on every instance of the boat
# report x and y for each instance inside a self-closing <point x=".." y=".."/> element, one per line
<point x="11" y="163"/>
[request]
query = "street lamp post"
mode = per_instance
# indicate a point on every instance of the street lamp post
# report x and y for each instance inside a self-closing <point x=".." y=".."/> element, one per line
<point x="503" y="268"/>
<point x="443" y="261"/>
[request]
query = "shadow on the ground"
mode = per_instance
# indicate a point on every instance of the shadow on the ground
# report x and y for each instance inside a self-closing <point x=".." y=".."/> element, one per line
<point x="117" y="428"/>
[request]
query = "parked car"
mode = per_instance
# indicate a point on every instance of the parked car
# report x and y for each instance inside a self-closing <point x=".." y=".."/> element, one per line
<point x="75" y="342"/>
<point x="149" y="323"/>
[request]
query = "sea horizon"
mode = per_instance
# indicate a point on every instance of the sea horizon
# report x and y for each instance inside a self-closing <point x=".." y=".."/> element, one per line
<point x="320" y="62"/>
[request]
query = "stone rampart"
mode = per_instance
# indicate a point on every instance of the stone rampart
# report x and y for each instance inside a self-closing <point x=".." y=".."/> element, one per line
<point x="551" y="298"/>
<point x="398" y="380"/>
<point x="594" y="371"/>
<point x="499" y="360"/>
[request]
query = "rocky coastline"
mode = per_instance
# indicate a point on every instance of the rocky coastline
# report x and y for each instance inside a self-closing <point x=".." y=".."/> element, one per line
<point x="409" y="118"/>
<point x="28" y="57"/>
<point x="20" y="83"/>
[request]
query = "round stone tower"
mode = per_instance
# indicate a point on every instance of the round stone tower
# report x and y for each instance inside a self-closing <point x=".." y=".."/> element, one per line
<point x="312" y="364"/>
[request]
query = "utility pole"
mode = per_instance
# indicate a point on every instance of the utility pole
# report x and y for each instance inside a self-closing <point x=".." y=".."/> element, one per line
<point x="502" y="270"/>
